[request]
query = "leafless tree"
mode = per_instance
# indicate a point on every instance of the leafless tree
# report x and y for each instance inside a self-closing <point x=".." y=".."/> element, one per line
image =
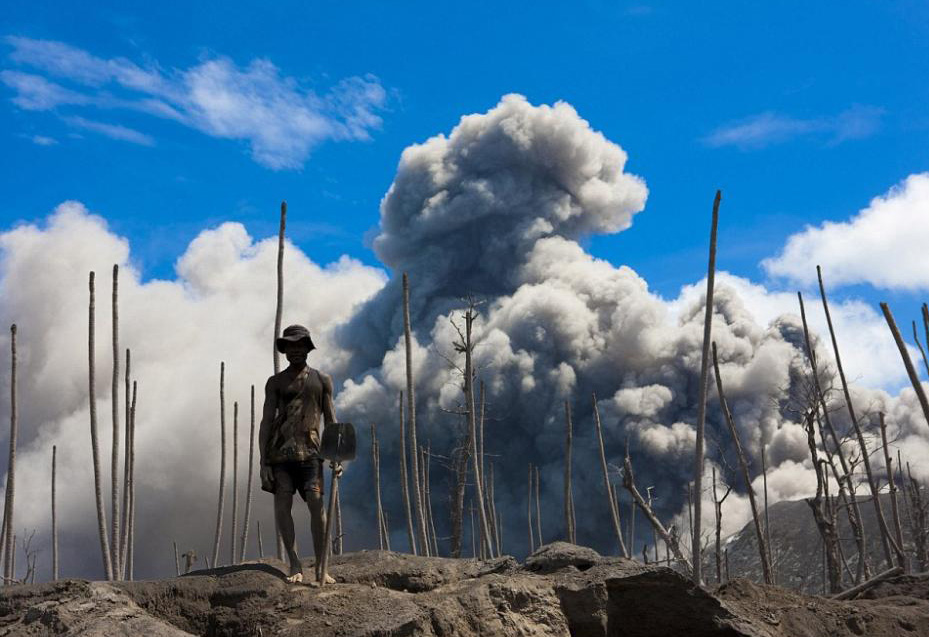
<point x="222" y="463"/>
<point x="669" y="536"/>
<point x="411" y="408"/>
<point x="895" y="510"/>
<point x="124" y="526"/>
<point x="529" y="512"/>
<point x="376" y="471"/>
<point x="614" y="513"/>
<point x="428" y="493"/>
<point x="701" y="399"/>
<point x="130" y="537"/>
<point x="718" y="505"/>
<point x="919" y="520"/>
<point x="54" y="520"/>
<point x="278" y="316"/>
<point x="98" y="491"/>
<point x="404" y="483"/>
<point x="235" y="480"/>
<point x="177" y="563"/>
<point x="846" y="492"/>
<point x="887" y="542"/>
<point x="762" y="546"/>
<point x="538" y="506"/>
<point x="569" y="519"/>
<point x="118" y="566"/>
<point x="11" y="466"/>
<point x="907" y="363"/>
<point x="248" y="487"/>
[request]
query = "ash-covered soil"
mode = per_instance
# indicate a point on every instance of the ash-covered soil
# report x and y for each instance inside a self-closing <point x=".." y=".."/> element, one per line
<point x="561" y="589"/>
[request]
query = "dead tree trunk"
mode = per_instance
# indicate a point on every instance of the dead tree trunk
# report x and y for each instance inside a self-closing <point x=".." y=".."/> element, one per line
<point x="895" y="511"/>
<point x="910" y="370"/>
<point x="235" y="481"/>
<point x="922" y="350"/>
<point x="261" y="548"/>
<point x="460" y="466"/>
<point x="177" y="562"/>
<point x="529" y="512"/>
<point x="278" y="316"/>
<point x="435" y="539"/>
<point x="472" y="423"/>
<point x="54" y="520"/>
<point x="767" y="518"/>
<point x="130" y="450"/>
<point x="124" y="537"/>
<point x="569" y="520"/>
<point x="853" y="511"/>
<point x="762" y="545"/>
<point x="614" y="514"/>
<point x="824" y="511"/>
<point x="498" y="550"/>
<point x="538" y="506"/>
<point x="668" y="536"/>
<point x="718" y="505"/>
<point x="701" y="399"/>
<point x="118" y="566"/>
<point x="404" y="485"/>
<point x="887" y="542"/>
<point x="411" y="408"/>
<point x="918" y="523"/>
<point x="222" y="463"/>
<point x="10" y="546"/>
<point x="378" y="513"/>
<point x="243" y="546"/>
<point x="98" y="491"/>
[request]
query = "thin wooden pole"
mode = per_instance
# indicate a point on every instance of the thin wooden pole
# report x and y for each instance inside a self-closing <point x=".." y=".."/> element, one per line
<point x="124" y="537"/>
<point x="404" y="483"/>
<point x="529" y="513"/>
<point x="767" y="518"/>
<point x="261" y="548"/>
<point x="493" y="513"/>
<point x="538" y="507"/>
<point x="98" y="490"/>
<point x="701" y="398"/>
<point x="411" y="408"/>
<point x="10" y="547"/>
<point x="614" y="514"/>
<point x="379" y="515"/>
<point x="472" y="421"/>
<point x="54" y="519"/>
<point x="130" y="538"/>
<point x="278" y="316"/>
<point x="762" y="548"/>
<point x="888" y="464"/>
<point x="568" y="494"/>
<point x="222" y="462"/>
<point x="118" y="566"/>
<point x="177" y="563"/>
<point x="882" y="522"/>
<point x="248" y="487"/>
<point x="235" y="481"/>
<point x="853" y="511"/>
<point x="428" y="461"/>
<point x="910" y="370"/>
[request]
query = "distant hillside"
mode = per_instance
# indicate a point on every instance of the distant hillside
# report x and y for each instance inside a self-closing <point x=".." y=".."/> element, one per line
<point x="797" y="546"/>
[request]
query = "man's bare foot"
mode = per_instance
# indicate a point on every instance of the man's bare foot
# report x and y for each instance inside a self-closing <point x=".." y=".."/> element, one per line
<point x="296" y="573"/>
<point x="329" y="578"/>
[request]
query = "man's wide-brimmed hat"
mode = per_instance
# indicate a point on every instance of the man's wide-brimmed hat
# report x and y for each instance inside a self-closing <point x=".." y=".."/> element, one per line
<point x="293" y="334"/>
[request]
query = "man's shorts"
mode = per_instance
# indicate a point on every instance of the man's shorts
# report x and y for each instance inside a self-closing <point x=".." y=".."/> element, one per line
<point x="299" y="476"/>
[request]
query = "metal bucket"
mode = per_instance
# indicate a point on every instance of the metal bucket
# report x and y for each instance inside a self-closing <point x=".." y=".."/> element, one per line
<point x="338" y="443"/>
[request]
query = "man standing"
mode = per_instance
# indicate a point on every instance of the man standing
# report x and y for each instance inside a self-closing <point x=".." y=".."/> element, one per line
<point x="289" y="442"/>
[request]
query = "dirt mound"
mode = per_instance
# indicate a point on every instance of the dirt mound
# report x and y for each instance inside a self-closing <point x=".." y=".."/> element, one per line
<point x="560" y="590"/>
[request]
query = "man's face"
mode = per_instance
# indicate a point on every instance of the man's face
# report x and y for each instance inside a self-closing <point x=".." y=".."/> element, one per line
<point x="296" y="352"/>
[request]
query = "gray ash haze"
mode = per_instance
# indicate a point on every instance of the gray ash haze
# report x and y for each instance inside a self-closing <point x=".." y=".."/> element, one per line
<point x="497" y="208"/>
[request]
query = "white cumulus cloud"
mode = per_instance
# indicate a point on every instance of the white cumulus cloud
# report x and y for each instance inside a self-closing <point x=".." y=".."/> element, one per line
<point x="883" y="245"/>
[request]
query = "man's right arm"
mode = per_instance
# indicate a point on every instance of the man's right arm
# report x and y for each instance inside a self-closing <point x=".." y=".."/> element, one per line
<point x="267" y="416"/>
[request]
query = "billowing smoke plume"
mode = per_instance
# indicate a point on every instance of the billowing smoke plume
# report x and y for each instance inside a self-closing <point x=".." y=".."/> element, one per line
<point x="495" y="210"/>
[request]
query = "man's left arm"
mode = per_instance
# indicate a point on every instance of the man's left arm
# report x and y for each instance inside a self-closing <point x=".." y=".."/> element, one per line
<point x="329" y="410"/>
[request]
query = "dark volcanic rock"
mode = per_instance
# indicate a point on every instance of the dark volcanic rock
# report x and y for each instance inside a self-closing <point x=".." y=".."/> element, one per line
<point x="561" y="590"/>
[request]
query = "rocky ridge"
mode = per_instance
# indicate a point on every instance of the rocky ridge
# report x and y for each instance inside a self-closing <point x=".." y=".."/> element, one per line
<point x="561" y="589"/>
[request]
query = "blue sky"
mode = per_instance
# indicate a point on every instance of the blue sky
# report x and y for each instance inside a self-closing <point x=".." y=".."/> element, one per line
<point x="800" y="112"/>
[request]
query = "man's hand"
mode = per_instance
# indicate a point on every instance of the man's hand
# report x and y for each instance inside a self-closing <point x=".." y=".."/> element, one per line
<point x="266" y="475"/>
<point x="338" y="470"/>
